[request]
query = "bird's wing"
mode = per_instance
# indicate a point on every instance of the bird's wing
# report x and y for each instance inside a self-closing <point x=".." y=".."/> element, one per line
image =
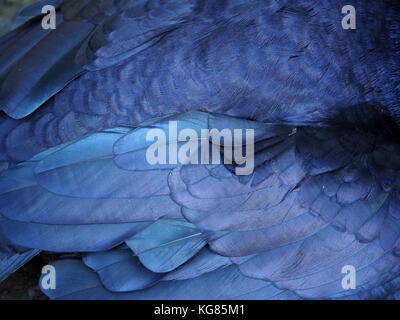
<point x="320" y="198"/>
<point x="37" y="63"/>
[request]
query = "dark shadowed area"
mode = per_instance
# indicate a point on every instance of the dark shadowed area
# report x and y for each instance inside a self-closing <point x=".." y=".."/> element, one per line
<point x="23" y="284"/>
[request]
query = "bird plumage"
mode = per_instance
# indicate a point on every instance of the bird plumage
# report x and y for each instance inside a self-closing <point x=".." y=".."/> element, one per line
<point x="322" y="102"/>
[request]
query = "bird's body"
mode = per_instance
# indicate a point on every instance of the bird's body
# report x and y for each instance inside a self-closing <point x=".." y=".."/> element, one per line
<point x="324" y="188"/>
<point x="239" y="59"/>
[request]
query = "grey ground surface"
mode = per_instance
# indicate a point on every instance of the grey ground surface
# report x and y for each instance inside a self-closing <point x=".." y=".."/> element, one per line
<point x="8" y="10"/>
<point x="24" y="283"/>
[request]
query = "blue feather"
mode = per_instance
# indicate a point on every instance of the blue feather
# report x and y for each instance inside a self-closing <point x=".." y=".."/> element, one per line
<point x="120" y="271"/>
<point x="166" y="244"/>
